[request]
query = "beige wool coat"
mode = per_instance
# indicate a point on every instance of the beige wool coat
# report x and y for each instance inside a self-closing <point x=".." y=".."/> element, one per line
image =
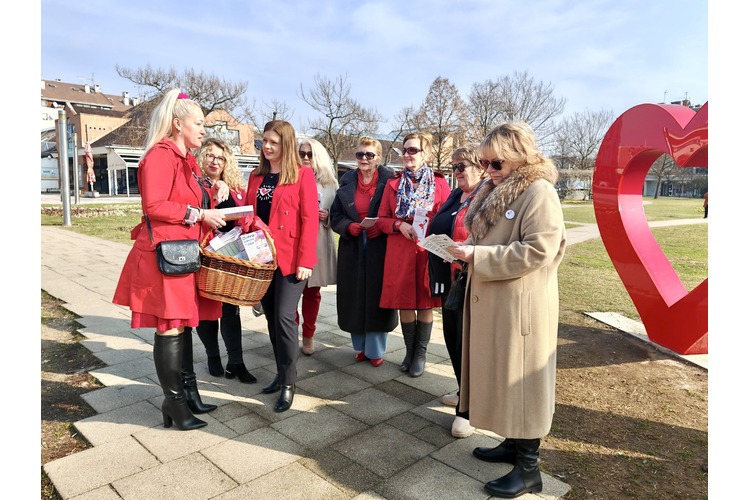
<point x="511" y="306"/>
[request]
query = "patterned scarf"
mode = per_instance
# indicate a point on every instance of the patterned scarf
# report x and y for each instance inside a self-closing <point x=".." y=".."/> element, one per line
<point x="415" y="190"/>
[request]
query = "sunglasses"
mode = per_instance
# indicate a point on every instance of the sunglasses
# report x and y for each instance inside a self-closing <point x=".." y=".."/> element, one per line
<point x="495" y="164"/>
<point x="411" y="151"/>
<point x="460" y="167"/>
<point x="369" y="155"/>
<point x="304" y="154"/>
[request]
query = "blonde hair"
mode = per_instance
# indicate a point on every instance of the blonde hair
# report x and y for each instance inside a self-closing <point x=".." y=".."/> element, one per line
<point x="290" y="159"/>
<point x="321" y="163"/>
<point x="170" y="107"/>
<point x="366" y="140"/>
<point x="425" y="143"/>
<point x="231" y="172"/>
<point x="514" y="141"/>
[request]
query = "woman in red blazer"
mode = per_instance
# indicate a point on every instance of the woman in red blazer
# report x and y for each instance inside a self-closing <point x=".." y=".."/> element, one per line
<point x="406" y="281"/>
<point x="284" y="196"/>
<point x="178" y="207"/>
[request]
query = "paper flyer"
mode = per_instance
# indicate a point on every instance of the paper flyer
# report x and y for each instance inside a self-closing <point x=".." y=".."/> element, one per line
<point x="368" y="222"/>
<point x="437" y="244"/>
<point x="420" y="223"/>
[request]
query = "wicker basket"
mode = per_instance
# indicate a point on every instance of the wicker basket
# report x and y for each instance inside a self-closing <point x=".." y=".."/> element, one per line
<point x="235" y="281"/>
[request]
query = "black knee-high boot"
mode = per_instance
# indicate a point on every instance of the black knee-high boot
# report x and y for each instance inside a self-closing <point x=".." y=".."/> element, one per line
<point x="424" y="332"/>
<point x="410" y="334"/>
<point x="168" y="362"/>
<point x="208" y="331"/>
<point x="525" y="476"/>
<point x="188" y="376"/>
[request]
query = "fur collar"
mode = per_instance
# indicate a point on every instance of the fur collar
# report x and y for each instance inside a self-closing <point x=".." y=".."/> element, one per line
<point x="491" y="201"/>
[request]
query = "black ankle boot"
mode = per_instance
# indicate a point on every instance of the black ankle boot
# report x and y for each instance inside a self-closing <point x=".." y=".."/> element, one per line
<point x="190" y="384"/>
<point x="215" y="367"/>
<point x="525" y="476"/>
<point x="505" y="453"/>
<point x="409" y="331"/>
<point x="168" y="362"/>
<point x="424" y="332"/>
<point x="240" y="371"/>
<point x="274" y="386"/>
<point x="285" y="399"/>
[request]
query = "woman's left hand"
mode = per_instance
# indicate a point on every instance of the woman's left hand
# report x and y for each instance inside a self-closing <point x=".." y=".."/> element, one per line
<point x="303" y="273"/>
<point x="220" y="191"/>
<point x="462" y="252"/>
<point x="323" y="215"/>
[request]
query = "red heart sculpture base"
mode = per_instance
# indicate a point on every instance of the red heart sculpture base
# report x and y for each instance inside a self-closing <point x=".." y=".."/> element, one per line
<point x="673" y="317"/>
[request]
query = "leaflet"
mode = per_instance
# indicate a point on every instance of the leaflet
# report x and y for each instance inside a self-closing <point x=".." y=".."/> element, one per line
<point x="234" y="213"/>
<point x="437" y="244"/>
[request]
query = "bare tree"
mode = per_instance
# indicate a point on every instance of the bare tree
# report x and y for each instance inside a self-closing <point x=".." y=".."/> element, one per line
<point x="343" y="120"/>
<point x="485" y="108"/>
<point x="663" y="169"/>
<point x="443" y="114"/>
<point x="518" y="97"/>
<point x="582" y="134"/>
<point x="209" y="91"/>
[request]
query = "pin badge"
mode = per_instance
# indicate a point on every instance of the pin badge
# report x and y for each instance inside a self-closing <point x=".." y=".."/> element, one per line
<point x="510" y="214"/>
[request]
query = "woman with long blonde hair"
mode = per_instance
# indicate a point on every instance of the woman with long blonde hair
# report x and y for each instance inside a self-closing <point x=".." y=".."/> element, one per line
<point x="315" y="156"/>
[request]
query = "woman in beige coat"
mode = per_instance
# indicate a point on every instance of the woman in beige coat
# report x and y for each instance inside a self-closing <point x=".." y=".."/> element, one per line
<point x="515" y="245"/>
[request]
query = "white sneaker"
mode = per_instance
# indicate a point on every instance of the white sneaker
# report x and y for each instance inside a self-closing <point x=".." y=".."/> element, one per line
<point x="461" y="428"/>
<point x="450" y="400"/>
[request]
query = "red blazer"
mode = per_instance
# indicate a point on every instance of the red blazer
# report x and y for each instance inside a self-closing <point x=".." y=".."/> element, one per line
<point x="293" y="222"/>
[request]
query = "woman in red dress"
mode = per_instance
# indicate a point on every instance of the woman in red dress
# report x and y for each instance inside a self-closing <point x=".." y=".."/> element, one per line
<point x="406" y="281"/>
<point x="178" y="207"/>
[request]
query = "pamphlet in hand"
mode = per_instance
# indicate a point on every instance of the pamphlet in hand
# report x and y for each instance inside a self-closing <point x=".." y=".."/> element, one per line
<point x="437" y="244"/>
<point x="420" y="223"/>
<point x="368" y="222"/>
<point x="234" y="213"/>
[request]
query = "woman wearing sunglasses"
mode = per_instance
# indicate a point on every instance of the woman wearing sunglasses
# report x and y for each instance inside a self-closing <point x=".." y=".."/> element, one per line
<point x="406" y="283"/>
<point x="515" y="245"/>
<point x="315" y="156"/>
<point x="449" y="221"/>
<point x="219" y="164"/>
<point x="361" y="254"/>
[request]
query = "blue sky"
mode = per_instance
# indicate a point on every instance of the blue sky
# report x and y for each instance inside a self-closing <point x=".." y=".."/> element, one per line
<point x="597" y="54"/>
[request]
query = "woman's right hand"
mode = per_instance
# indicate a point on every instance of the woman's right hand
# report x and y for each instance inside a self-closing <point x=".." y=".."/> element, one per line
<point x="462" y="252"/>
<point x="213" y="218"/>
<point x="408" y="231"/>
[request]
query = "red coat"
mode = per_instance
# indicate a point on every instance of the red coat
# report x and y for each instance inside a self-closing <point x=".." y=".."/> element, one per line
<point x="406" y="280"/>
<point x="167" y="186"/>
<point x="293" y="222"/>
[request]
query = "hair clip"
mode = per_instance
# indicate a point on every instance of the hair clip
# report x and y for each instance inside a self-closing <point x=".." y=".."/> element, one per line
<point x="183" y="95"/>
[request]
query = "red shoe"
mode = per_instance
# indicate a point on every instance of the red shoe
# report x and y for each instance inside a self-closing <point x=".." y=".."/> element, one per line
<point x="360" y="357"/>
<point x="377" y="361"/>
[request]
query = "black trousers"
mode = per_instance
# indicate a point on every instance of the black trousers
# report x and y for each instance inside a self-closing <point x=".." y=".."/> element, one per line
<point x="280" y="307"/>
<point x="452" y="332"/>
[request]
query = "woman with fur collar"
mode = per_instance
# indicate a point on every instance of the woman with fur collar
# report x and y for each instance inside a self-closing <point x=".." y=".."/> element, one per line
<point x="515" y="245"/>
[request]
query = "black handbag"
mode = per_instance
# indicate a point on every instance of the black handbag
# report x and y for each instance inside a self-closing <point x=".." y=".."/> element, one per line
<point x="455" y="298"/>
<point x="176" y="257"/>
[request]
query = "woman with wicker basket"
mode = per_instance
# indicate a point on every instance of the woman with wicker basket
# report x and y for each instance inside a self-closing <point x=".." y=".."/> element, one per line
<point x="220" y="165"/>
<point x="283" y="194"/>
<point x="176" y="206"/>
<point x="315" y="156"/>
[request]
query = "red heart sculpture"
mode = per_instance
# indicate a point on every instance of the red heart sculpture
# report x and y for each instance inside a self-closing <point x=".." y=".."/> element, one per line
<point x="673" y="318"/>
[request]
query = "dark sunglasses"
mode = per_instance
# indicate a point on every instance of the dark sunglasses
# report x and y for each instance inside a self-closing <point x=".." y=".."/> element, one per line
<point x="412" y="151"/>
<point x="460" y="167"/>
<point x="369" y="155"/>
<point x="495" y="164"/>
<point x="304" y="154"/>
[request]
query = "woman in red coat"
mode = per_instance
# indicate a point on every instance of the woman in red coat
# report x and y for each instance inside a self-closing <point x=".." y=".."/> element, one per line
<point x="406" y="281"/>
<point x="284" y="196"/>
<point x="176" y="205"/>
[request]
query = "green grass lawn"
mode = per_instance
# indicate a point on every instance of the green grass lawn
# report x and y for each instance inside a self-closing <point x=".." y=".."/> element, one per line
<point x="588" y="280"/>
